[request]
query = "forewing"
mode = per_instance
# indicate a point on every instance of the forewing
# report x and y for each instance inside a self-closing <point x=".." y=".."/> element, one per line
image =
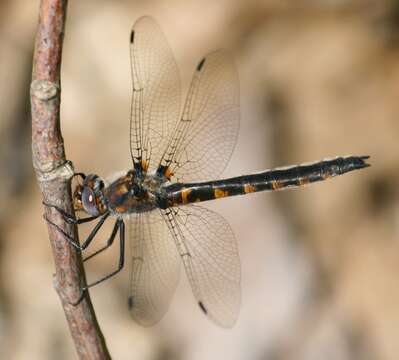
<point x="156" y="93"/>
<point x="205" y="136"/>
<point x="155" y="268"/>
<point x="209" y="252"/>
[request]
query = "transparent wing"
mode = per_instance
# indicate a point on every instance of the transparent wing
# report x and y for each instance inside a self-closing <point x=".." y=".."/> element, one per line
<point x="209" y="252"/>
<point x="205" y="136"/>
<point x="155" y="268"/>
<point x="156" y="93"/>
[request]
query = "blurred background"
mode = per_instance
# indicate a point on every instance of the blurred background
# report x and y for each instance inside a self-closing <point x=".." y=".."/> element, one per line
<point x="319" y="265"/>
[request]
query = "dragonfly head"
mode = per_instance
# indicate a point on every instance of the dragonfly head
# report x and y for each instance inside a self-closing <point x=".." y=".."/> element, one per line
<point x="89" y="196"/>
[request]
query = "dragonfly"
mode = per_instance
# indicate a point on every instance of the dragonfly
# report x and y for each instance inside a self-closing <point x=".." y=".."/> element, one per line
<point x="177" y="157"/>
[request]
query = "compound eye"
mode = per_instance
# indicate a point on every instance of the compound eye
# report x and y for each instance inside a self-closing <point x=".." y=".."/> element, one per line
<point x="89" y="201"/>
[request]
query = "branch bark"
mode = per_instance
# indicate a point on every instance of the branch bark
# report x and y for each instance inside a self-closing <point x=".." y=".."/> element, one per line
<point x="54" y="173"/>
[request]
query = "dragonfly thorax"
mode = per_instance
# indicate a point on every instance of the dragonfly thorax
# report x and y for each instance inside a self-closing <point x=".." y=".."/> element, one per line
<point x="132" y="193"/>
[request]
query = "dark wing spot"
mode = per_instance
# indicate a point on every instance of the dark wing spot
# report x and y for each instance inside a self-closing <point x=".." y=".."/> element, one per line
<point x="201" y="64"/>
<point x="203" y="308"/>
<point x="130" y="302"/>
<point x="132" y="37"/>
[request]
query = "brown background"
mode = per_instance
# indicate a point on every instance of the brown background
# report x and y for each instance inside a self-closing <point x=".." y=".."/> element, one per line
<point x="319" y="265"/>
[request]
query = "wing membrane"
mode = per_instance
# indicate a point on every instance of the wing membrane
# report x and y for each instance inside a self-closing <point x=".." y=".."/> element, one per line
<point x="155" y="268"/>
<point x="209" y="252"/>
<point x="155" y="104"/>
<point x="205" y="136"/>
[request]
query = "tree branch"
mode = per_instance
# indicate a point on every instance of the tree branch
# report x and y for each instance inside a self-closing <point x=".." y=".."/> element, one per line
<point x="54" y="174"/>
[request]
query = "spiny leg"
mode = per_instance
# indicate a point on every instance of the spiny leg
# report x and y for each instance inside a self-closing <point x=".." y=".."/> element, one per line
<point x="93" y="233"/>
<point x="121" y="225"/>
<point x="71" y="220"/>
<point x="82" y="175"/>
<point x="110" y="241"/>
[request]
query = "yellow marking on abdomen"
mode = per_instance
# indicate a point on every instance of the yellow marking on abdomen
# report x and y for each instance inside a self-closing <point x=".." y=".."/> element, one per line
<point x="184" y="194"/>
<point x="220" y="193"/>
<point x="277" y="184"/>
<point x="304" y="181"/>
<point x="249" y="188"/>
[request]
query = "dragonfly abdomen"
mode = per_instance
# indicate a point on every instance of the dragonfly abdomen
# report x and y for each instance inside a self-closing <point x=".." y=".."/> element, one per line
<point x="276" y="179"/>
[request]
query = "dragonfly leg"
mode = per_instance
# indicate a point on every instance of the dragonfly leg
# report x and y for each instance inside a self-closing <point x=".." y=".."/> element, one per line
<point x="69" y="238"/>
<point x="88" y="240"/>
<point x="110" y="241"/>
<point x="82" y="175"/>
<point x="70" y="219"/>
<point x="121" y="226"/>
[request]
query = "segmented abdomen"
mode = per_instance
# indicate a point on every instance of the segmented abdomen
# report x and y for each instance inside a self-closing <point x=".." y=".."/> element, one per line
<point x="276" y="179"/>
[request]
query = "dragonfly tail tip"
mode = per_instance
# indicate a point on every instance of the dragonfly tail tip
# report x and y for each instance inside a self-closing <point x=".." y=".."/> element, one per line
<point x="359" y="162"/>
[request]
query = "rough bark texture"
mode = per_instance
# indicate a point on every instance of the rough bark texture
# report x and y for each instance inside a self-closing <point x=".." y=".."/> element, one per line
<point x="54" y="174"/>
